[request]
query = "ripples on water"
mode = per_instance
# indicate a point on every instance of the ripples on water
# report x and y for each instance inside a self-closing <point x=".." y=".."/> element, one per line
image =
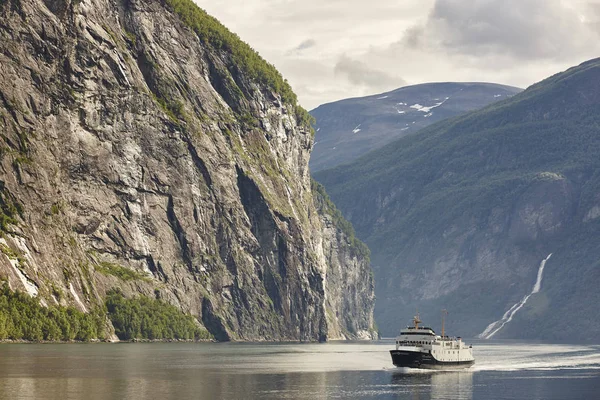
<point x="290" y="371"/>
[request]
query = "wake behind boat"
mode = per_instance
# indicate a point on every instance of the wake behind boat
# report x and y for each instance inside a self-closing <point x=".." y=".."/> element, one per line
<point x="420" y="347"/>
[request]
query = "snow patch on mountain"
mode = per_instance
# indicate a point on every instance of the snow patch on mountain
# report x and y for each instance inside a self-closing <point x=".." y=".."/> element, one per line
<point x="426" y="109"/>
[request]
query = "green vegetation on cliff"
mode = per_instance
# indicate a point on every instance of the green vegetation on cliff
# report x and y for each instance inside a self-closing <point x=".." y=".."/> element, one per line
<point x="9" y="208"/>
<point x="144" y="318"/>
<point x="125" y="274"/>
<point x="213" y="33"/>
<point x="326" y="206"/>
<point x="23" y="318"/>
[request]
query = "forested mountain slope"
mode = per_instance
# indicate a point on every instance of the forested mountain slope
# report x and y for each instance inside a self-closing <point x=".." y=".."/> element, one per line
<point x="461" y="215"/>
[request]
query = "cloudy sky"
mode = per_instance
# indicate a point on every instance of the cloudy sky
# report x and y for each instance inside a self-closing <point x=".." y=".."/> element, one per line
<point x="334" y="49"/>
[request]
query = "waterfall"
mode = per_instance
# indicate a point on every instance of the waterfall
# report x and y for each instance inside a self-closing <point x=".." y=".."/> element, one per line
<point x="494" y="327"/>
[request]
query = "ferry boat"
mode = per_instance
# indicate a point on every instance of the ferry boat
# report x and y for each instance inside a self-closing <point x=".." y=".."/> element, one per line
<point x="420" y="347"/>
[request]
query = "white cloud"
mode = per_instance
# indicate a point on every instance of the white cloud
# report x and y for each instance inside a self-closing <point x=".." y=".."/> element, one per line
<point x="338" y="49"/>
<point x="524" y="30"/>
<point x="360" y="73"/>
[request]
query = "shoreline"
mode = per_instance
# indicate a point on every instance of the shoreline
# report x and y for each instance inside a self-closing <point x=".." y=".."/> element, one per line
<point x="96" y="341"/>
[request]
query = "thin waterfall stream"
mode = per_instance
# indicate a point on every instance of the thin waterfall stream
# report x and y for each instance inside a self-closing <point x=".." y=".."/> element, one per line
<point x="496" y="326"/>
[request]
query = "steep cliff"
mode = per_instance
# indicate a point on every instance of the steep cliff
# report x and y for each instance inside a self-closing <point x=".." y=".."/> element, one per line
<point x="146" y="147"/>
<point x="350" y="292"/>
<point x="462" y="215"/>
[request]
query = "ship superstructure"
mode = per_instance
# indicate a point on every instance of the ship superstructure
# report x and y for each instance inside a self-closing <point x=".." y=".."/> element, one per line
<point x="420" y="347"/>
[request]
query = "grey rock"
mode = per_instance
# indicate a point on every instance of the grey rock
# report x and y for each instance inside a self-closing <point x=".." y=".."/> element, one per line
<point x="219" y="215"/>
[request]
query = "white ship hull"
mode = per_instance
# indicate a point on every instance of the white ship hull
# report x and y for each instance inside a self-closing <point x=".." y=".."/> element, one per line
<point x="417" y="359"/>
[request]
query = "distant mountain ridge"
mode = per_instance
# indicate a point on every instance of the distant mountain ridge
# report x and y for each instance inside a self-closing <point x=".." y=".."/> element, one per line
<point x="349" y="128"/>
<point x="463" y="214"/>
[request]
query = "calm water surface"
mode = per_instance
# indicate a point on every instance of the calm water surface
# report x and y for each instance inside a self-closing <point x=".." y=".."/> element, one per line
<point x="290" y="371"/>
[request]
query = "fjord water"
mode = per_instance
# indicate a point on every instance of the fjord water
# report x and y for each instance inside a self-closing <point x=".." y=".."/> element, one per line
<point x="290" y="371"/>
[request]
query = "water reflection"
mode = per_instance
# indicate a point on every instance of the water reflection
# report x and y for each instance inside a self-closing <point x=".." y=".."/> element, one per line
<point x="436" y="385"/>
<point x="122" y="383"/>
<point x="292" y="371"/>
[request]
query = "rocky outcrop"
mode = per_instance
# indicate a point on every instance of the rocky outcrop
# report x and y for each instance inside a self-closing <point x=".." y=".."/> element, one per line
<point x="132" y="143"/>
<point x="349" y="281"/>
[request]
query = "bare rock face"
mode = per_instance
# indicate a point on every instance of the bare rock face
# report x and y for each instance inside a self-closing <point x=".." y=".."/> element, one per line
<point x="349" y="282"/>
<point x="129" y="144"/>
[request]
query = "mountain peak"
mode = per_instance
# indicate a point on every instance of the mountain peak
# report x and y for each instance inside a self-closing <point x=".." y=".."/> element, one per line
<point x="349" y="128"/>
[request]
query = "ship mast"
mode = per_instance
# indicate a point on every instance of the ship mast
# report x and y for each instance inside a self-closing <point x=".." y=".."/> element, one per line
<point x="417" y="320"/>
<point x="444" y="313"/>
